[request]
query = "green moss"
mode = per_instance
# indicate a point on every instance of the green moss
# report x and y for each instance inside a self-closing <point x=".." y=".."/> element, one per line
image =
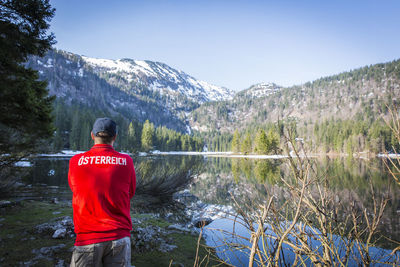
<point x="44" y="263"/>
<point x="185" y="253"/>
<point x="157" y="222"/>
<point x="143" y="216"/>
<point x="18" y="238"/>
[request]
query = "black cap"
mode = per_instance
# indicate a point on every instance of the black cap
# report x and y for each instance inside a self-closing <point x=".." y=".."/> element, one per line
<point x="105" y="125"/>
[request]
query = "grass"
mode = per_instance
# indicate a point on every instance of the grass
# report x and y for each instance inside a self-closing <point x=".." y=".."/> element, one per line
<point x="184" y="254"/>
<point x="18" y="238"/>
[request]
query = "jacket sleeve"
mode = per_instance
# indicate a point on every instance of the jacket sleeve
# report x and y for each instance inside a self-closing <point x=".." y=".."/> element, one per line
<point x="132" y="188"/>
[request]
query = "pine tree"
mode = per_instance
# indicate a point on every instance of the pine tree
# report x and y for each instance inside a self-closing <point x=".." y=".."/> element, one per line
<point x="189" y="142"/>
<point x="261" y="143"/>
<point x="84" y="142"/>
<point x="236" y="141"/>
<point x="75" y="131"/>
<point x="147" y="135"/>
<point x="25" y="107"/>
<point x="184" y="143"/>
<point x="58" y="143"/>
<point x="246" y="144"/>
<point x="272" y="142"/>
<point x="131" y="137"/>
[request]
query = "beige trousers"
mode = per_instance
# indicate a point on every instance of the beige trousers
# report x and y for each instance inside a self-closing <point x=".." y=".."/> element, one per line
<point x="109" y="253"/>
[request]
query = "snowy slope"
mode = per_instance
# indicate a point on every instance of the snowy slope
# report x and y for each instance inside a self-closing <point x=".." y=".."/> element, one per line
<point x="160" y="78"/>
<point x="260" y="90"/>
<point x="135" y="89"/>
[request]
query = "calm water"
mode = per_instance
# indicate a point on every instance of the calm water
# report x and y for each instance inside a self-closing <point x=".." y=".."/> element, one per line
<point x="215" y="179"/>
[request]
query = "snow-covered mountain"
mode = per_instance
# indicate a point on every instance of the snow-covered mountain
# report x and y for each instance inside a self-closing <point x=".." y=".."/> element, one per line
<point x="260" y="90"/>
<point x="137" y="90"/>
<point x="158" y="77"/>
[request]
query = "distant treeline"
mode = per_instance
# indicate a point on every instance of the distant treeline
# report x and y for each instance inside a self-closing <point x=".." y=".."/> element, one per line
<point x="73" y="123"/>
<point x="351" y="136"/>
<point x="334" y="135"/>
<point x="254" y="140"/>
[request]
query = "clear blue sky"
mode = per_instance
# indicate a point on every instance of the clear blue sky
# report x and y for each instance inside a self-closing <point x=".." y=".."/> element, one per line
<point x="235" y="43"/>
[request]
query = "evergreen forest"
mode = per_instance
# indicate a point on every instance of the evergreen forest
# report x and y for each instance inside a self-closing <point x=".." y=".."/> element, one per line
<point x="73" y="123"/>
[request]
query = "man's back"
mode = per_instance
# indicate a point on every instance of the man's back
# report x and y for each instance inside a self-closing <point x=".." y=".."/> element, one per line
<point x="102" y="181"/>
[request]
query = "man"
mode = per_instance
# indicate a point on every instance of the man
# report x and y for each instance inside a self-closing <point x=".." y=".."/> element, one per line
<point x="102" y="182"/>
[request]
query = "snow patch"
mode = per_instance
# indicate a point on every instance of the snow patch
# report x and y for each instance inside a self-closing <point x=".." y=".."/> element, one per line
<point x="23" y="163"/>
<point x="199" y="91"/>
<point x="80" y="72"/>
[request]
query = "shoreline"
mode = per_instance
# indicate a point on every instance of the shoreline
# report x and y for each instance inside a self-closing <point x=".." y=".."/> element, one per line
<point x="229" y="154"/>
<point x="159" y="236"/>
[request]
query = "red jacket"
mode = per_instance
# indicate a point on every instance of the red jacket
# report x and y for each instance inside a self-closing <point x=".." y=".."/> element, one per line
<point x="102" y="182"/>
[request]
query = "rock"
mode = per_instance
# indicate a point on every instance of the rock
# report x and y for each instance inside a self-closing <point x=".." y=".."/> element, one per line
<point x="59" y="223"/>
<point x="56" y="212"/>
<point x="164" y="247"/>
<point x="185" y="197"/>
<point x="136" y="221"/>
<point x="175" y="263"/>
<point x="200" y="204"/>
<point x="149" y="238"/>
<point x="18" y="184"/>
<point x="44" y="228"/>
<point x="60" y="263"/>
<point x="28" y="263"/>
<point x="67" y="221"/>
<point x="44" y="253"/>
<point x="60" y="233"/>
<point x="178" y="227"/>
<point x="45" y="250"/>
<point x="54" y="200"/>
<point x="48" y="250"/>
<point x="5" y="203"/>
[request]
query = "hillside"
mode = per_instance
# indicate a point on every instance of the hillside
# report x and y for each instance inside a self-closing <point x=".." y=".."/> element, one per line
<point x="336" y="113"/>
<point x="359" y="93"/>
<point x="135" y="89"/>
<point x="353" y="100"/>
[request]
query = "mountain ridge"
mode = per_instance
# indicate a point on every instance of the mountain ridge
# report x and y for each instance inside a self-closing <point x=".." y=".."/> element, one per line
<point x="141" y="90"/>
<point x="137" y="89"/>
<point x="160" y="77"/>
<point x="360" y="92"/>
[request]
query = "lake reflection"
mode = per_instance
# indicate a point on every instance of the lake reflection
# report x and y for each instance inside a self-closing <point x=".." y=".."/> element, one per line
<point x="351" y="182"/>
<point x="156" y="176"/>
<point x="215" y="179"/>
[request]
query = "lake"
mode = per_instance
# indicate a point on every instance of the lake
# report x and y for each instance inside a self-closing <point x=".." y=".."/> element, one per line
<point x="214" y="180"/>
